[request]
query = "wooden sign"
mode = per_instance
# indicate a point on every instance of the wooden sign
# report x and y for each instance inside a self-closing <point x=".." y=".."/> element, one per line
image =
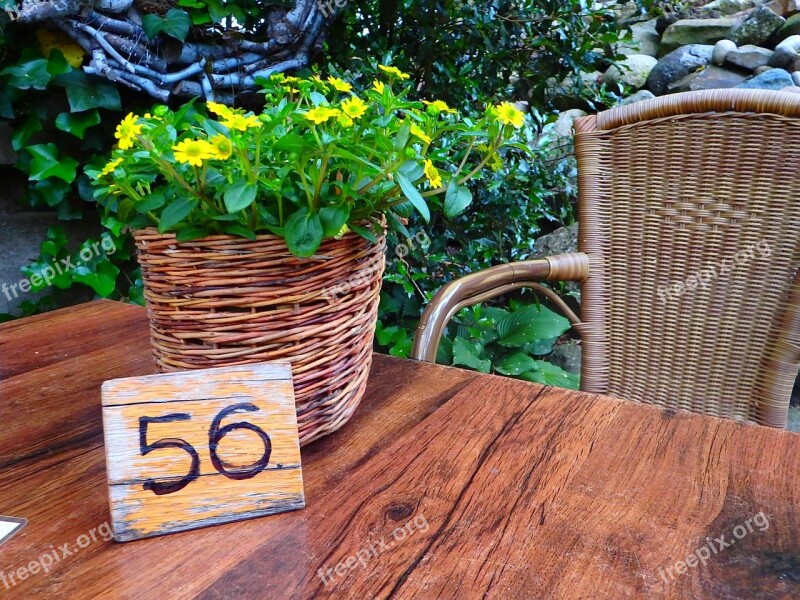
<point x="197" y="448"/>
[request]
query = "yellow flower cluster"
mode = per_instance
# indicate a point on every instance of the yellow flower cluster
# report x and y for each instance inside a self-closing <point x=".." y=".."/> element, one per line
<point x="433" y="175"/>
<point x="233" y="119"/>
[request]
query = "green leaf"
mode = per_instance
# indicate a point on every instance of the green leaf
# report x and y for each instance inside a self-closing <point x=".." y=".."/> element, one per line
<point x="413" y="196"/>
<point x="515" y="364"/>
<point x="151" y="202"/>
<point x="77" y="123"/>
<point x="468" y="354"/>
<point x="291" y="143"/>
<point x="549" y="374"/>
<point x="303" y="232"/>
<point x="175" y="213"/>
<point x="85" y="92"/>
<point x="189" y="233"/>
<point x="333" y="219"/>
<point x="103" y="280"/>
<point x="24" y="130"/>
<point x="28" y="74"/>
<point x="175" y="23"/>
<point x="364" y="232"/>
<point x="239" y="196"/>
<point x="530" y="324"/>
<point x="239" y="229"/>
<point x="396" y="224"/>
<point x="402" y="136"/>
<point x="457" y="199"/>
<point x="46" y="163"/>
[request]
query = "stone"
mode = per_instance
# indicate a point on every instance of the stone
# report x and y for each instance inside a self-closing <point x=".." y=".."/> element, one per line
<point x="761" y="70"/>
<point x="785" y="52"/>
<point x="632" y="71"/>
<point x="721" y="50"/>
<point x="709" y="78"/>
<point x="796" y="77"/>
<point x="567" y="355"/>
<point x="729" y="7"/>
<point x="696" y="31"/>
<point x="750" y="57"/>
<point x="757" y="28"/>
<point x="783" y="8"/>
<point x="677" y="65"/>
<point x="644" y="40"/>
<point x="637" y="97"/>
<point x="793" y="89"/>
<point x="791" y="27"/>
<point x="774" y="79"/>
<point x="561" y="241"/>
<point x="556" y="136"/>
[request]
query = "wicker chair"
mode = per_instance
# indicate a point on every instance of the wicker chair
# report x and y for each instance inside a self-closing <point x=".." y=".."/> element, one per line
<point x="690" y="246"/>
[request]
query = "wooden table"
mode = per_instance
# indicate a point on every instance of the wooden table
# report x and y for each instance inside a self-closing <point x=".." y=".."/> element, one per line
<point x="445" y="484"/>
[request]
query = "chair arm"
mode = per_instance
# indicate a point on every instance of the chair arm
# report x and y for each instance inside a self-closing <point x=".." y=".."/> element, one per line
<point x="478" y="287"/>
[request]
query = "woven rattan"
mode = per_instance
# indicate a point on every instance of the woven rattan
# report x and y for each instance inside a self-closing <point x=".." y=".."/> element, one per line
<point x="223" y="301"/>
<point x="690" y="233"/>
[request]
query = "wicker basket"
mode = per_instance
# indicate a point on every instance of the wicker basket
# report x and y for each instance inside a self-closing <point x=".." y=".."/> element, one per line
<point x="222" y="301"/>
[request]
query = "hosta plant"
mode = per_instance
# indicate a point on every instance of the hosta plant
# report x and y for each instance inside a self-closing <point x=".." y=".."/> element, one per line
<point x="319" y="159"/>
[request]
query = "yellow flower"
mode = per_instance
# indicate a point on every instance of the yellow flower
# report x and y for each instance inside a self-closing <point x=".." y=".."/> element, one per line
<point x="320" y="114"/>
<point x="354" y="107"/>
<point x="127" y="131"/>
<point x="277" y="77"/>
<point x="433" y="175"/>
<point x="508" y="114"/>
<point x="291" y="80"/>
<point x="241" y="122"/>
<point x="339" y="85"/>
<point x="321" y="84"/>
<point x="109" y="168"/>
<point x="379" y="87"/>
<point x="417" y="132"/>
<point x="194" y="152"/>
<point x="394" y="72"/>
<point x="344" y="120"/>
<point x="220" y="110"/>
<point x="440" y="106"/>
<point x="222" y="146"/>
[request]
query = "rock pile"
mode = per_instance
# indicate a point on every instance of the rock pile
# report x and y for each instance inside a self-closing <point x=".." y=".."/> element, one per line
<point x="723" y="44"/>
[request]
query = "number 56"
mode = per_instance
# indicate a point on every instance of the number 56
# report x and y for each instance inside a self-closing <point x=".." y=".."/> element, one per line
<point x="215" y="435"/>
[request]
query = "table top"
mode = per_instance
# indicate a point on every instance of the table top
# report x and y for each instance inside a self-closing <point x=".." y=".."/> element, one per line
<point x="445" y="484"/>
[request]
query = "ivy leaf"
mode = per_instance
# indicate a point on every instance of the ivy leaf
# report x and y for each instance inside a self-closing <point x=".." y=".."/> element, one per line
<point x="413" y="196"/>
<point x="77" y="123"/>
<point x="85" y="92"/>
<point x="530" y="324"/>
<point x="333" y="219"/>
<point x="24" y="130"/>
<point x="457" y="199"/>
<point x="468" y="354"/>
<point x="175" y="23"/>
<point x="175" y="213"/>
<point x="103" y="280"/>
<point x="28" y="74"/>
<point x="303" y="232"/>
<point x="46" y="163"/>
<point x="239" y="196"/>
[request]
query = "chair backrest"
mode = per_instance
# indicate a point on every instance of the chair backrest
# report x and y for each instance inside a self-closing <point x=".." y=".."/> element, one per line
<point x="690" y="216"/>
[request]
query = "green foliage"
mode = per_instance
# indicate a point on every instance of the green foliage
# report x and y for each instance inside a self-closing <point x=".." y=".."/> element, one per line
<point x="316" y="147"/>
<point x="510" y="342"/>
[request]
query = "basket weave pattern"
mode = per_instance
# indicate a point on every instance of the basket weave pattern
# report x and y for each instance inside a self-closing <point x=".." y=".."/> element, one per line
<point x="222" y="301"/>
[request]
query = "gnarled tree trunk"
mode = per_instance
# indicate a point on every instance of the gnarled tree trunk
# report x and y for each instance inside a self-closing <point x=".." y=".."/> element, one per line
<point x="219" y="68"/>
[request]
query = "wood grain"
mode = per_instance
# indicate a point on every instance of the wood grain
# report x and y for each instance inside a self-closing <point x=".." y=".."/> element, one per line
<point x="198" y="448"/>
<point x="527" y="492"/>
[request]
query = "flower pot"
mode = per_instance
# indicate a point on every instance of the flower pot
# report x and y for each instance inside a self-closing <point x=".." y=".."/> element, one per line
<point x="222" y="301"/>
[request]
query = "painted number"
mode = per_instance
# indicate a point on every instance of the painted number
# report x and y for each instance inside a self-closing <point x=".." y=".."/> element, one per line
<point x="215" y="435"/>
